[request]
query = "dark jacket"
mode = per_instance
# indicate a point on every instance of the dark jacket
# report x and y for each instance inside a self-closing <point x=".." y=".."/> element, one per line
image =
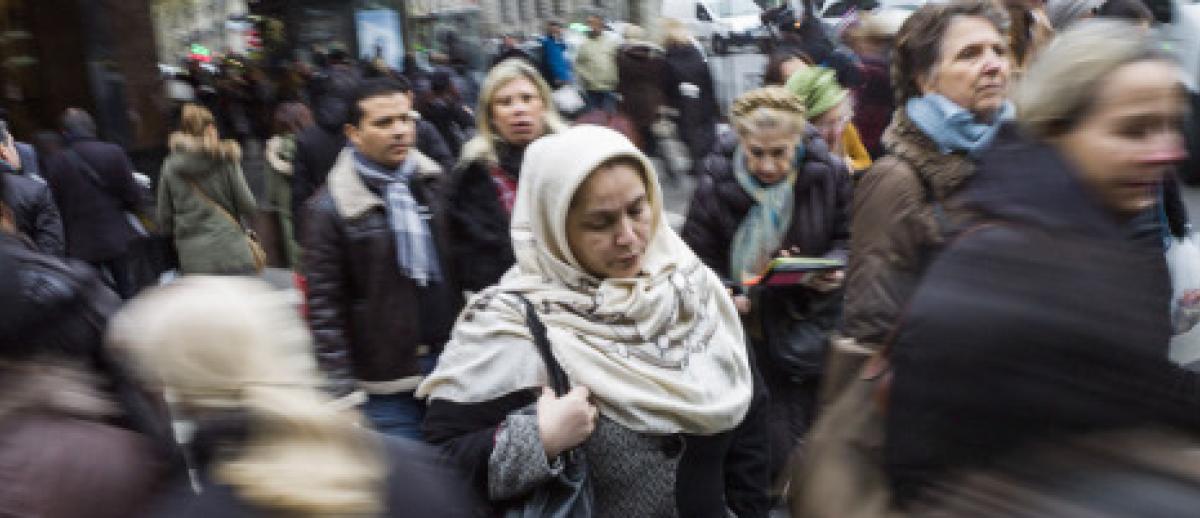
<point x="820" y="221"/>
<point x="317" y="148"/>
<point x="367" y="317"/>
<point x="1049" y="322"/>
<point x="36" y="215"/>
<point x="640" y="72"/>
<point x="431" y="144"/>
<point x="62" y="457"/>
<point x="874" y="103"/>
<point x="688" y="85"/>
<point x="713" y="475"/>
<point x="93" y="215"/>
<point x="201" y="196"/>
<point x="481" y="247"/>
<point x="893" y="227"/>
<point x="418" y="484"/>
<point x="512" y="53"/>
<point x="453" y="121"/>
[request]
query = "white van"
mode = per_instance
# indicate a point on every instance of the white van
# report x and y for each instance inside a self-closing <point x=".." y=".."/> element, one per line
<point x="720" y="24"/>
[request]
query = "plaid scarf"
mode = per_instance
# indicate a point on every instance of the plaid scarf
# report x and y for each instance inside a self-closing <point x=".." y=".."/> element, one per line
<point x="415" y="250"/>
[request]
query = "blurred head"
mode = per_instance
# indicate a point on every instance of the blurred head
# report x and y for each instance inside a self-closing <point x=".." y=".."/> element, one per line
<point x="770" y="124"/>
<point x="515" y="104"/>
<point x="826" y="103"/>
<point x="197" y="121"/>
<point x="1132" y="11"/>
<point x="291" y="117"/>
<point x="675" y="33"/>
<point x="231" y="348"/>
<point x="1112" y="104"/>
<point x="76" y="123"/>
<point x="509" y="41"/>
<point x="554" y="28"/>
<point x="1063" y="13"/>
<point x="955" y="49"/>
<point x="382" y="121"/>
<point x="610" y="220"/>
<point x="783" y="64"/>
<point x="595" y="22"/>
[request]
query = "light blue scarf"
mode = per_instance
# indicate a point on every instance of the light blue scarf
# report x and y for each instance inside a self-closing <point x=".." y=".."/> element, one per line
<point x="761" y="233"/>
<point x="416" y="253"/>
<point x="952" y="127"/>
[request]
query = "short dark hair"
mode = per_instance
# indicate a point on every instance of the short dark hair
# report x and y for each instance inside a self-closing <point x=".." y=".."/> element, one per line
<point x="919" y="42"/>
<point x="376" y="87"/>
<point x="77" y="123"/>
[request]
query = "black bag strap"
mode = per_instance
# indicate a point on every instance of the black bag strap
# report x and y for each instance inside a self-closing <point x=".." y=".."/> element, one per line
<point x="558" y="377"/>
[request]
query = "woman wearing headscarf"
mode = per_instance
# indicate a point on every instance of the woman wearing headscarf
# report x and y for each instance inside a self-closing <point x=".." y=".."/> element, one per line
<point x="1048" y="320"/>
<point x="828" y="106"/>
<point x="642" y="329"/>
<point x="951" y="66"/>
<point x="515" y="109"/>
<point x="239" y="365"/>
<point x="780" y="192"/>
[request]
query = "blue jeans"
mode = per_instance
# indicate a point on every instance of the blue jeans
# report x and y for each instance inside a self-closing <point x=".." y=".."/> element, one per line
<point x="395" y="414"/>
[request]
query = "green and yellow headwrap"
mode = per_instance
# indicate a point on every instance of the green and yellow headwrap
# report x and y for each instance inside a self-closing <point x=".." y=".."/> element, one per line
<point x="817" y="88"/>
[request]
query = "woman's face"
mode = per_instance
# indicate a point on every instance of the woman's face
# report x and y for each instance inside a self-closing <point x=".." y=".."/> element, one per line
<point x="770" y="153"/>
<point x="973" y="68"/>
<point x="832" y="124"/>
<point x="1130" y="138"/>
<point x="518" y="111"/>
<point x="609" y="222"/>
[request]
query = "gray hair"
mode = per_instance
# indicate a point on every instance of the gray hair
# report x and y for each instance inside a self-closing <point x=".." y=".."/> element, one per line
<point x="1063" y="13"/>
<point x="1060" y="87"/>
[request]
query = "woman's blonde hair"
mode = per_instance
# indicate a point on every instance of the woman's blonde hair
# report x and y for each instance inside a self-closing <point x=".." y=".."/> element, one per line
<point x="767" y="109"/>
<point x="224" y="345"/>
<point x="484" y="142"/>
<point x="1060" y="86"/>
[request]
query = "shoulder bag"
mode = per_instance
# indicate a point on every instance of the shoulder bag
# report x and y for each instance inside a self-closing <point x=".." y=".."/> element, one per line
<point x="568" y="495"/>
<point x="256" y="250"/>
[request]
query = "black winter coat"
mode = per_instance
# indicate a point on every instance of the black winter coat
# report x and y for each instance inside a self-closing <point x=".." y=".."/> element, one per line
<point x="367" y="317"/>
<point x="93" y="215"/>
<point x="640" y="69"/>
<point x="481" y="247"/>
<point x="688" y="86"/>
<point x="1047" y="323"/>
<point x="820" y="221"/>
<point x="36" y="215"/>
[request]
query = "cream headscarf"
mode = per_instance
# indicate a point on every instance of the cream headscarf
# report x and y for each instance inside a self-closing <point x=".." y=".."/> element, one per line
<point x="660" y="353"/>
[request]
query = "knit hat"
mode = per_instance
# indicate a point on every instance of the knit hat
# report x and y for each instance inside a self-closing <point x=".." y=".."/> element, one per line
<point x="818" y="88"/>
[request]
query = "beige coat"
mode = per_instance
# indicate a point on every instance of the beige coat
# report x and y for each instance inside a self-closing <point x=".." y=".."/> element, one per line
<point x="596" y="64"/>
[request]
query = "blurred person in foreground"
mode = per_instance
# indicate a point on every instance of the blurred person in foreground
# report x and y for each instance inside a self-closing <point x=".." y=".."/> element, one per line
<point x="93" y="185"/>
<point x="830" y="108"/>
<point x="69" y="441"/>
<point x="239" y="365"/>
<point x="380" y="301"/>
<point x="689" y="88"/>
<point x="779" y="192"/>
<point x="951" y="68"/>
<point x="203" y="199"/>
<point x="290" y="119"/>
<point x="515" y="109"/>
<point x="1047" y="320"/>
<point x="665" y="404"/>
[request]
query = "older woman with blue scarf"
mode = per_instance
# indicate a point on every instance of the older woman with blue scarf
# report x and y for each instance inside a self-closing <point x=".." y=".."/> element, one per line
<point x="780" y="192"/>
<point x="951" y="69"/>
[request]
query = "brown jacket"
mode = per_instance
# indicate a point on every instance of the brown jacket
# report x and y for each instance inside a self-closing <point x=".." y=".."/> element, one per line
<point x="893" y="226"/>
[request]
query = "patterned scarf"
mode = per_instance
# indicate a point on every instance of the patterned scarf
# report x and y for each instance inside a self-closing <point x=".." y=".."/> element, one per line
<point x="952" y="127"/>
<point x="761" y="233"/>
<point x="415" y="250"/>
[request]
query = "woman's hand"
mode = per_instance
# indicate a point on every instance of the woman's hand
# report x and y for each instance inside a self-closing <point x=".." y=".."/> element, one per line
<point x="828" y="281"/>
<point x="565" y="422"/>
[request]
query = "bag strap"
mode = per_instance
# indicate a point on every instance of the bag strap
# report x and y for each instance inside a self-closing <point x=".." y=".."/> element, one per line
<point x="220" y="208"/>
<point x="554" y="371"/>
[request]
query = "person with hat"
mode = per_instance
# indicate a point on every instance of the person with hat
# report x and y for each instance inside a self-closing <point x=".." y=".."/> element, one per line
<point x="827" y="106"/>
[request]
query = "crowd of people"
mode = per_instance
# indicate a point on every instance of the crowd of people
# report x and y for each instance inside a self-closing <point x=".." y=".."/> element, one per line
<point x="924" y="268"/>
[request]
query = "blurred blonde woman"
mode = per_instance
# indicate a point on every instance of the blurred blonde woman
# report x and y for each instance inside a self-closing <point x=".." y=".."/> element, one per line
<point x="203" y="198"/>
<point x="239" y="364"/>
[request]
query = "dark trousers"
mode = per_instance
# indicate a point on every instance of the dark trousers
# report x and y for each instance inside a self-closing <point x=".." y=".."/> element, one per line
<point x="601" y="100"/>
<point x="396" y="414"/>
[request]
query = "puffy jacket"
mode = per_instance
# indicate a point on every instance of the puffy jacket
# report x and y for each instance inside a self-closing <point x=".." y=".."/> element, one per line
<point x="478" y="223"/>
<point x="208" y="239"/>
<point x="893" y="226"/>
<point x="369" y="320"/>
<point x="820" y="221"/>
<point x="36" y="214"/>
